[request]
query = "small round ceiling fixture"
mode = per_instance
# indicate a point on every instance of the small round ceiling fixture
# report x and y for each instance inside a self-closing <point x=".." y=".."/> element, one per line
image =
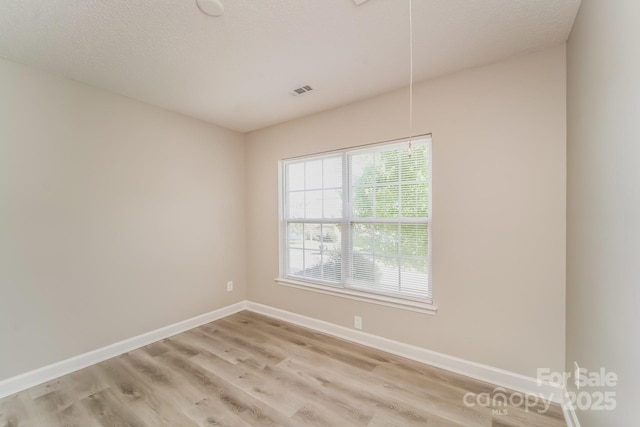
<point x="211" y="7"/>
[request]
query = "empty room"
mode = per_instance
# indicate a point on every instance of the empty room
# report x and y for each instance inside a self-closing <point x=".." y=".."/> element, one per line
<point x="319" y="213"/>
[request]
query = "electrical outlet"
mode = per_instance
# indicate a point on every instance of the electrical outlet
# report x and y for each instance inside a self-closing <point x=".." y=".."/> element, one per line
<point x="357" y="322"/>
<point x="229" y="286"/>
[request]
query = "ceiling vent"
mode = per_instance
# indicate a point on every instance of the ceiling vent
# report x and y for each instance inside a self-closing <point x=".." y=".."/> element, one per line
<point x="301" y="90"/>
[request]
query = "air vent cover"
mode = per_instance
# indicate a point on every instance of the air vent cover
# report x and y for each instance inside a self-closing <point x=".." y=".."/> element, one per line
<point x="301" y="90"/>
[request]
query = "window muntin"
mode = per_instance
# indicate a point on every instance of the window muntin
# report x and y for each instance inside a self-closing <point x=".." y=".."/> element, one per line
<point x="360" y="219"/>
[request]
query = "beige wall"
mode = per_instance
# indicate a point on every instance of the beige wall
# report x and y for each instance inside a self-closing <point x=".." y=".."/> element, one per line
<point x="498" y="213"/>
<point x="603" y="206"/>
<point x="115" y="218"/>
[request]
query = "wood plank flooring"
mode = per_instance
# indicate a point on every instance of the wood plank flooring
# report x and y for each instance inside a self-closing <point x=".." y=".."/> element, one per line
<point x="252" y="370"/>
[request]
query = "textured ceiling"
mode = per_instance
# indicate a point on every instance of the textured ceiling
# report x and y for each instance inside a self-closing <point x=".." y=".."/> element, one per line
<point x="237" y="70"/>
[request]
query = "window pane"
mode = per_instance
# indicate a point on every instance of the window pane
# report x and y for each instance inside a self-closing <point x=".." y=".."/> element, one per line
<point x="414" y="277"/>
<point x="362" y="169"/>
<point x="314" y="188"/>
<point x="363" y="268"/>
<point x="414" y="167"/>
<point x="312" y="265"/>
<point x="387" y="166"/>
<point x="363" y="237"/>
<point x="295" y="176"/>
<point x="332" y="172"/>
<point x="415" y="201"/>
<point x="311" y="235"/>
<point x="295" y="235"/>
<point x="313" y="204"/>
<point x="319" y="256"/>
<point x="332" y="267"/>
<point x="295" y="264"/>
<point x="387" y="201"/>
<point x="331" y="248"/>
<point x="296" y="204"/>
<point x="413" y="240"/>
<point x="312" y="255"/>
<point x="332" y="203"/>
<point x="362" y="202"/>
<point x="313" y="174"/>
<point x="389" y="276"/>
<point x="386" y="240"/>
<point x="331" y="237"/>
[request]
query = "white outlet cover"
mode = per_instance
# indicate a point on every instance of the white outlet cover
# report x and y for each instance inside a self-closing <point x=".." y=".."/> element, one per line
<point x="357" y="322"/>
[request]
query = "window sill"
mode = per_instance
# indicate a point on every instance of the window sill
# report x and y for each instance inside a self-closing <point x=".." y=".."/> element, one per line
<point x="416" y="306"/>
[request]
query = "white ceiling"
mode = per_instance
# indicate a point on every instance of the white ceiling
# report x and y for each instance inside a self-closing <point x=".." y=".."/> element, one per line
<point x="237" y="70"/>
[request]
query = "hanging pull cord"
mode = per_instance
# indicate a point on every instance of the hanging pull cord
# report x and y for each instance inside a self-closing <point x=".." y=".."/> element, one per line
<point x="410" y="150"/>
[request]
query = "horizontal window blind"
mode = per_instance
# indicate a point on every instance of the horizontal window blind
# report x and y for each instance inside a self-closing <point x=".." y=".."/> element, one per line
<point x="360" y="219"/>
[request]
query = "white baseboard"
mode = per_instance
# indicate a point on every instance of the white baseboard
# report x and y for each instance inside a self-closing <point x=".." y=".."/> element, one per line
<point x="47" y="373"/>
<point x="499" y="377"/>
<point x="569" y="411"/>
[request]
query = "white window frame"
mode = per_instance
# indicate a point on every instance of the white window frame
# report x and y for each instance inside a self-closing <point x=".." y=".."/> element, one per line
<point x="422" y="305"/>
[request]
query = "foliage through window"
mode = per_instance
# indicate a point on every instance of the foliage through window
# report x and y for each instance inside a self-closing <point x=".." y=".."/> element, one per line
<point x="360" y="219"/>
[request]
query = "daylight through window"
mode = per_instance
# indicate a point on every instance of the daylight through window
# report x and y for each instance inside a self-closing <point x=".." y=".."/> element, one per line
<point x="359" y="219"/>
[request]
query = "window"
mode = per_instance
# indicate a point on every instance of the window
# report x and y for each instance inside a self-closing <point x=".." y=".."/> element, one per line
<point x="358" y="221"/>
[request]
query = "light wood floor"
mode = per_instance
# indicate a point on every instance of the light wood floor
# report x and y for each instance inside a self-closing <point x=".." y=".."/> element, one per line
<point x="251" y="370"/>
